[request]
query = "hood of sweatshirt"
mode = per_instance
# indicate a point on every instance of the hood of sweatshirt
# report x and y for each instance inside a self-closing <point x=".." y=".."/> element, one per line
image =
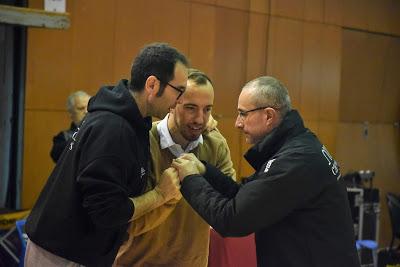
<point x="118" y="100"/>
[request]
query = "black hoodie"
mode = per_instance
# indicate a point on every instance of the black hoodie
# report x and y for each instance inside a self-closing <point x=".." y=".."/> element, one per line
<point x="83" y="211"/>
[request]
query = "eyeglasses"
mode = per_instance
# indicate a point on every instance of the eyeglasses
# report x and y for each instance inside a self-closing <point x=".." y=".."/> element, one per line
<point x="242" y="114"/>
<point x="179" y="90"/>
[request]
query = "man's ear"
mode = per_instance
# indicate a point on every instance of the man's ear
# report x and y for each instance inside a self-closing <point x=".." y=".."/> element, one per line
<point x="151" y="87"/>
<point x="271" y="116"/>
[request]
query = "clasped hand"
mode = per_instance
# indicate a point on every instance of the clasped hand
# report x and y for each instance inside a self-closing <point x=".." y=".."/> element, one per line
<point x="187" y="164"/>
<point x="169" y="185"/>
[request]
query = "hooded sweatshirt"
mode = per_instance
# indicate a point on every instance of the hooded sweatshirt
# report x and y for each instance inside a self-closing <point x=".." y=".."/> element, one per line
<point x="83" y="211"/>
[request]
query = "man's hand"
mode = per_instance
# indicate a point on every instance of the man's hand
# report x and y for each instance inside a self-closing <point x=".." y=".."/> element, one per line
<point x="185" y="167"/>
<point x="169" y="185"/>
<point x="199" y="165"/>
<point x="166" y="190"/>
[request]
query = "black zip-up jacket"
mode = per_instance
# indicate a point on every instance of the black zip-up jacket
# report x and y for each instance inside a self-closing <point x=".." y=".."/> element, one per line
<point x="295" y="202"/>
<point x="83" y="211"/>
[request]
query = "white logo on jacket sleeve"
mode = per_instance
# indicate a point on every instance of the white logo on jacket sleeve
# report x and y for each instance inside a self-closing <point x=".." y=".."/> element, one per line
<point x="269" y="163"/>
<point x="71" y="145"/>
<point x="142" y="172"/>
<point x="332" y="163"/>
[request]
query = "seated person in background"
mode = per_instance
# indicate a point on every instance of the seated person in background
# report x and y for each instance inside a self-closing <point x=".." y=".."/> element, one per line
<point x="173" y="234"/>
<point x="77" y="108"/>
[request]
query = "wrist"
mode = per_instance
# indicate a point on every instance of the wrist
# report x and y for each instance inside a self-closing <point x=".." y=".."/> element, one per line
<point x="202" y="168"/>
<point x="158" y="193"/>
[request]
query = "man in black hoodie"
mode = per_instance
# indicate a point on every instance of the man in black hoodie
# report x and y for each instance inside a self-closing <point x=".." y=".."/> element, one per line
<point x="295" y="202"/>
<point x="96" y="188"/>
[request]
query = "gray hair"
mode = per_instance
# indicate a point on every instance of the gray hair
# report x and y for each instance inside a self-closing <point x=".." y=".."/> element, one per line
<point x="269" y="91"/>
<point x="71" y="99"/>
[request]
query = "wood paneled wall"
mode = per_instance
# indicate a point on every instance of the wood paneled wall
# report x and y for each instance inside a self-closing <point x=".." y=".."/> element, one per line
<point x="339" y="59"/>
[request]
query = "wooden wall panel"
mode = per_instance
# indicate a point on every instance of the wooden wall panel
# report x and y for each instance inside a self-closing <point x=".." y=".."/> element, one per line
<point x="285" y="54"/>
<point x="383" y="16"/>
<point x="362" y="75"/>
<point x="355" y="13"/>
<point x="352" y="57"/>
<point x="138" y="23"/>
<point x="40" y="127"/>
<point x="376" y="16"/>
<point x="327" y="134"/>
<point x="93" y="40"/>
<point x="333" y="12"/>
<point x="261" y="6"/>
<point x="288" y="8"/>
<point x="230" y="58"/>
<point x="132" y="31"/>
<point x="314" y="10"/>
<point x="202" y="38"/>
<point x="331" y="60"/>
<point x="311" y="71"/>
<point x="236" y="4"/>
<point x="49" y="69"/>
<point x="204" y="1"/>
<point x="257" y="46"/>
<point x="393" y="17"/>
<point x="354" y="150"/>
<point x="377" y="12"/>
<point x="390" y="107"/>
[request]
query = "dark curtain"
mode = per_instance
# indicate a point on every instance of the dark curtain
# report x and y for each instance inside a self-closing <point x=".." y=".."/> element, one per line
<point x="12" y="94"/>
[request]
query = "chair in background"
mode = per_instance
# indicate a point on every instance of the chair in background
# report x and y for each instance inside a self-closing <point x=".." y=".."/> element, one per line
<point x="20" y="225"/>
<point x="9" y="244"/>
<point x="370" y="245"/>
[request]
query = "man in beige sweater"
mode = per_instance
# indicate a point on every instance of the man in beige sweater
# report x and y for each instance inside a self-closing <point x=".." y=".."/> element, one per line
<point x="173" y="234"/>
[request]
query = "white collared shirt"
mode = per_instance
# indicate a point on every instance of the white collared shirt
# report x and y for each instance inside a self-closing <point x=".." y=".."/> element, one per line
<point x="167" y="142"/>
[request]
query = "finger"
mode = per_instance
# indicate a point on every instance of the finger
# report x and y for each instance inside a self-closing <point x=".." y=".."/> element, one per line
<point x="188" y="156"/>
<point x="178" y="163"/>
<point x="175" y="165"/>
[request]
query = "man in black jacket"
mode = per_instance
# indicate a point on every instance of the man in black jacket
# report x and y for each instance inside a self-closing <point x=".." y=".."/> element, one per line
<point x="77" y="108"/>
<point x="295" y="202"/>
<point x="96" y="188"/>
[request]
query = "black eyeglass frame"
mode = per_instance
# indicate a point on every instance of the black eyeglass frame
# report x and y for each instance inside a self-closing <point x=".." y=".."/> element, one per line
<point x="243" y="113"/>
<point x="177" y="89"/>
<point x="180" y="91"/>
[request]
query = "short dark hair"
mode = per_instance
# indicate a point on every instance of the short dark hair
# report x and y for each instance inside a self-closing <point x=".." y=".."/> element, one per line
<point x="200" y="78"/>
<point x="158" y="59"/>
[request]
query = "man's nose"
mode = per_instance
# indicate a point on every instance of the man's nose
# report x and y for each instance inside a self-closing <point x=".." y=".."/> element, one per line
<point x="238" y="123"/>
<point x="199" y="117"/>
